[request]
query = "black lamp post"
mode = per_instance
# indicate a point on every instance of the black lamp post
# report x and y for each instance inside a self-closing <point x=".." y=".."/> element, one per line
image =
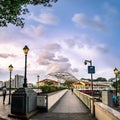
<point x="24" y="99"/>
<point x="25" y="49"/>
<point x="91" y="71"/>
<point x="10" y="67"/>
<point x="116" y="73"/>
<point x="38" y="80"/>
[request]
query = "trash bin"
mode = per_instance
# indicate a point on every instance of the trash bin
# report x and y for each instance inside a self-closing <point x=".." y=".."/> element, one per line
<point x="107" y="98"/>
<point x="42" y="102"/>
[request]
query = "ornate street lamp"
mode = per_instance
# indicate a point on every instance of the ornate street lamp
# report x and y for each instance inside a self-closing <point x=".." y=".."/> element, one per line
<point x="10" y="67"/>
<point x="25" y="49"/>
<point x="23" y="99"/>
<point x="38" y="80"/>
<point x="116" y="72"/>
<point x="91" y="70"/>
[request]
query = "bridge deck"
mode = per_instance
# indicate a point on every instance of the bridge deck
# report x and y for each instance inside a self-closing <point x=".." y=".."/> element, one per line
<point x="70" y="104"/>
<point x="68" y="108"/>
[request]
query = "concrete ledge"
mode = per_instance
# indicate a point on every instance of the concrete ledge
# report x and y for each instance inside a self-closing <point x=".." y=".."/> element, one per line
<point x="86" y="99"/>
<point x="104" y="112"/>
<point x="46" y="101"/>
<point x="53" y="98"/>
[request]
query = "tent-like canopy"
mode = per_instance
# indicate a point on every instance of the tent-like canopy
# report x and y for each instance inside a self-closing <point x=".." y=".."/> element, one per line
<point x="64" y="76"/>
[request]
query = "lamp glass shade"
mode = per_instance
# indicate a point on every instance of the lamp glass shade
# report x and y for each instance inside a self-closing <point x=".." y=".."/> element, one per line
<point x="26" y="49"/>
<point x="116" y="71"/>
<point x="10" y="68"/>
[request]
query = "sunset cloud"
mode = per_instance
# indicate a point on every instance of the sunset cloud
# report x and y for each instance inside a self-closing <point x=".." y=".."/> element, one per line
<point x="2" y="55"/>
<point x="52" y="58"/>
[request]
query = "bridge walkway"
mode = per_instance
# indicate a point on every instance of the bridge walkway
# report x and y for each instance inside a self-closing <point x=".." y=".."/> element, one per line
<point x="68" y="108"/>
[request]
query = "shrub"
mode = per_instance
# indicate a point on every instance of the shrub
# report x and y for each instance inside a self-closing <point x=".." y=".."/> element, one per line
<point x="48" y="89"/>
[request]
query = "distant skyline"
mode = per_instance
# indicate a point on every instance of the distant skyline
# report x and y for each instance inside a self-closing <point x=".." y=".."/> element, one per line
<point x="61" y="37"/>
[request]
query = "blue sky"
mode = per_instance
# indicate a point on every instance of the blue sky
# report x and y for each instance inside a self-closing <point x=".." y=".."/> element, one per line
<point x="61" y="37"/>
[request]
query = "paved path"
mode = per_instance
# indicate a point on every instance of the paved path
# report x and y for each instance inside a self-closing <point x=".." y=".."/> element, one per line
<point x="70" y="104"/>
<point x="68" y="108"/>
<point x="4" y="108"/>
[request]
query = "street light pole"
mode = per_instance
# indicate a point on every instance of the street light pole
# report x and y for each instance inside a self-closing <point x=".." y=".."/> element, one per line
<point x="10" y="67"/>
<point x="91" y="76"/>
<point x="90" y="61"/>
<point x="25" y="49"/>
<point x="92" y="82"/>
<point x="38" y="80"/>
<point x="23" y="99"/>
<point x="116" y="73"/>
<point x="116" y="85"/>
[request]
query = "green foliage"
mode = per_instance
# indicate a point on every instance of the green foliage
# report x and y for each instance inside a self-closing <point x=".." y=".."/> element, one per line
<point x="11" y="11"/>
<point x="101" y="79"/>
<point x="48" y="83"/>
<point x="48" y="89"/>
<point x="118" y="84"/>
<point x="114" y="84"/>
<point x="68" y="84"/>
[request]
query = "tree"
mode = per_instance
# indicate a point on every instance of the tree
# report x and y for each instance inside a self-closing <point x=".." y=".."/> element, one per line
<point x="101" y="79"/>
<point x="68" y="83"/>
<point x="48" y="83"/>
<point x="118" y="84"/>
<point x="11" y="11"/>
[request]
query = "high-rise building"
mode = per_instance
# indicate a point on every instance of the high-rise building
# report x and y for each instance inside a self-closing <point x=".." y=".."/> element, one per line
<point x="19" y="80"/>
<point x="1" y="84"/>
<point x="16" y="82"/>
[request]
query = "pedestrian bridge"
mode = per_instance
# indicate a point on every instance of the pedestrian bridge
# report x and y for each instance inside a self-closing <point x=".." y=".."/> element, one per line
<point x="82" y="107"/>
<point x="70" y="106"/>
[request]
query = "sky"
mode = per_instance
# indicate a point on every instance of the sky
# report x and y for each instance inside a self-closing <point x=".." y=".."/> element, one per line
<point x="61" y="38"/>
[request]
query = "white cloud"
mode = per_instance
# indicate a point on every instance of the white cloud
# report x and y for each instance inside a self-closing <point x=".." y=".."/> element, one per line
<point x="109" y="9"/>
<point x="48" y="54"/>
<point x="5" y="55"/>
<point x="86" y="47"/>
<point x="11" y="55"/>
<point x="82" y="20"/>
<point x="79" y="41"/>
<point x="59" y="67"/>
<point x="102" y="48"/>
<point x="54" y="47"/>
<point x="45" y="18"/>
<point x="86" y="43"/>
<point x="52" y="58"/>
<point x="34" y="31"/>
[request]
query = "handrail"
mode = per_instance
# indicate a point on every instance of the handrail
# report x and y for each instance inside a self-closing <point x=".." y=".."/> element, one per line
<point x="86" y="99"/>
